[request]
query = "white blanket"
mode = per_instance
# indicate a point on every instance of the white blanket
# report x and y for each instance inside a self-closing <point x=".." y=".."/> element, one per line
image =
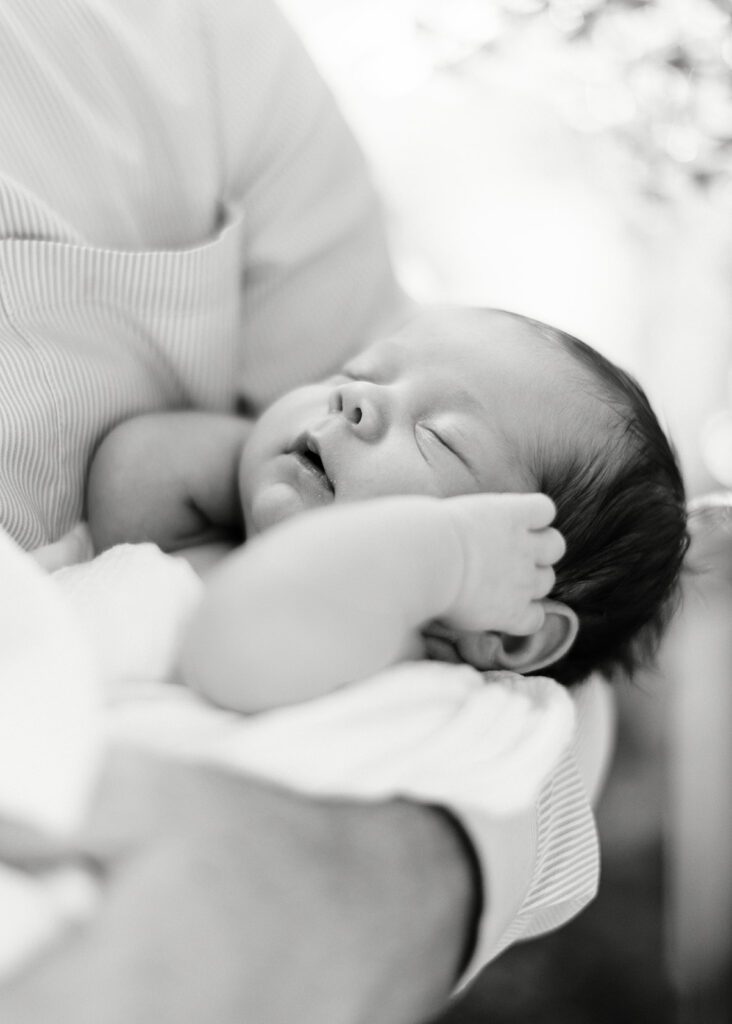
<point x="88" y="652"/>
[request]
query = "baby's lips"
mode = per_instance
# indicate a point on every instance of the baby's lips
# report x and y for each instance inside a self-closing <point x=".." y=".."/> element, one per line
<point x="311" y="484"/>
<point x="320" y="439"/>
<point x="308" y="446"/>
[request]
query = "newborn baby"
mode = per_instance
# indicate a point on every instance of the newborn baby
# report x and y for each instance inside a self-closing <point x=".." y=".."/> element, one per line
<point x="431" y="446"/>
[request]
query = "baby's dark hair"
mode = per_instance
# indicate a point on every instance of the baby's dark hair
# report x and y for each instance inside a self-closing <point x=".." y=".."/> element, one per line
<point x="622" y="512"/>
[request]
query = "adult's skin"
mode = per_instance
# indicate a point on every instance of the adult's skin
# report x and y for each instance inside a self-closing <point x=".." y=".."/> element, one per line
<point x="226" y="900"/>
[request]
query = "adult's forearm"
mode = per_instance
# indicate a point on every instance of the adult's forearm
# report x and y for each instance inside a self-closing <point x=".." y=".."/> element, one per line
<point x="258" y="905"/>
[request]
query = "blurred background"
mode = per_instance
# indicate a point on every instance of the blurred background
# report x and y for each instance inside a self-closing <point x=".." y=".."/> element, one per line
<point x="572" y="160"/>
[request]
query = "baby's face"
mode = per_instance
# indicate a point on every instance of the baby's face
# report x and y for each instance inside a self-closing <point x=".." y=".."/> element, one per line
<point x="453" y="403"/>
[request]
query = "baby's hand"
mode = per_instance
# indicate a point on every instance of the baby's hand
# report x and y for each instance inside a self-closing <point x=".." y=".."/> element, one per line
<point x="508" y="551"/>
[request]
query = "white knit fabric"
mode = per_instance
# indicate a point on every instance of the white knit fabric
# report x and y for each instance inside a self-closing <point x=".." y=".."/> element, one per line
<point x="50" y="743"/>
<point x="133" y="602"/>
<point x="48" y="697"/>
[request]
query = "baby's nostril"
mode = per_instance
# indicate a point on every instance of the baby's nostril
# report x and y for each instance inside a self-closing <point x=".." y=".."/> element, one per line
<point x="357" y="415"/>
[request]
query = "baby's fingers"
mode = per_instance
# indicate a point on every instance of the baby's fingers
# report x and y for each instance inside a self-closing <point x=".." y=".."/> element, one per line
<point x="550" y="546"/>
<point x="544" y="582"/>
<point x="539" y="510"/>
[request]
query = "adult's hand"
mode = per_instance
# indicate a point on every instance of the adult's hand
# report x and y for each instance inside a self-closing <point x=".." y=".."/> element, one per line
<point x="224" y="899"/>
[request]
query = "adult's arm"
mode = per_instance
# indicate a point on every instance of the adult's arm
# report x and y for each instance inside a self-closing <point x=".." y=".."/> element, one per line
<point x="319" y="281"/>
<point x="227" y="900"/>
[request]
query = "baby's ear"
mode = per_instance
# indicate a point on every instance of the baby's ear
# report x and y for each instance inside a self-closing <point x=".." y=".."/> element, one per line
<point x="523" y="653"/>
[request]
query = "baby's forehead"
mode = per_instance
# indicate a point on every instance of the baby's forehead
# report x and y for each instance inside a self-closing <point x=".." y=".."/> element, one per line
<point x="465" y="328"/>
<point x="533" y="362"/>
<point x="436" y="333"/>
<point x="487" y="349"/>
<point x="484" y="339"/>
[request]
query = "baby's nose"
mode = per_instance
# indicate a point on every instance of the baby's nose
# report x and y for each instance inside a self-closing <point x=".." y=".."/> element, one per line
<point x="361" y="406"/>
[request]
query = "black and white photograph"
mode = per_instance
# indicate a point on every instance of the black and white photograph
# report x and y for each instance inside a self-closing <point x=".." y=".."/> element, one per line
<point x="365" y="511"/>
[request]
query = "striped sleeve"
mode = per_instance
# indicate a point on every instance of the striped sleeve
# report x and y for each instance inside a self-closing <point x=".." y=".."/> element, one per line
<point x="542" y="868"/>
<point x="567" y="858"/>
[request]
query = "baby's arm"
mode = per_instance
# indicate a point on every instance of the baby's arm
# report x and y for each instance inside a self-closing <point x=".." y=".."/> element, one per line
<point x="169" y="478"/>
<point x="336" y="595"/>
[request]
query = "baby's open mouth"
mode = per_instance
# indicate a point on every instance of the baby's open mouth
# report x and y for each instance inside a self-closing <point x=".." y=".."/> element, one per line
<point x="307" y="451"/>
